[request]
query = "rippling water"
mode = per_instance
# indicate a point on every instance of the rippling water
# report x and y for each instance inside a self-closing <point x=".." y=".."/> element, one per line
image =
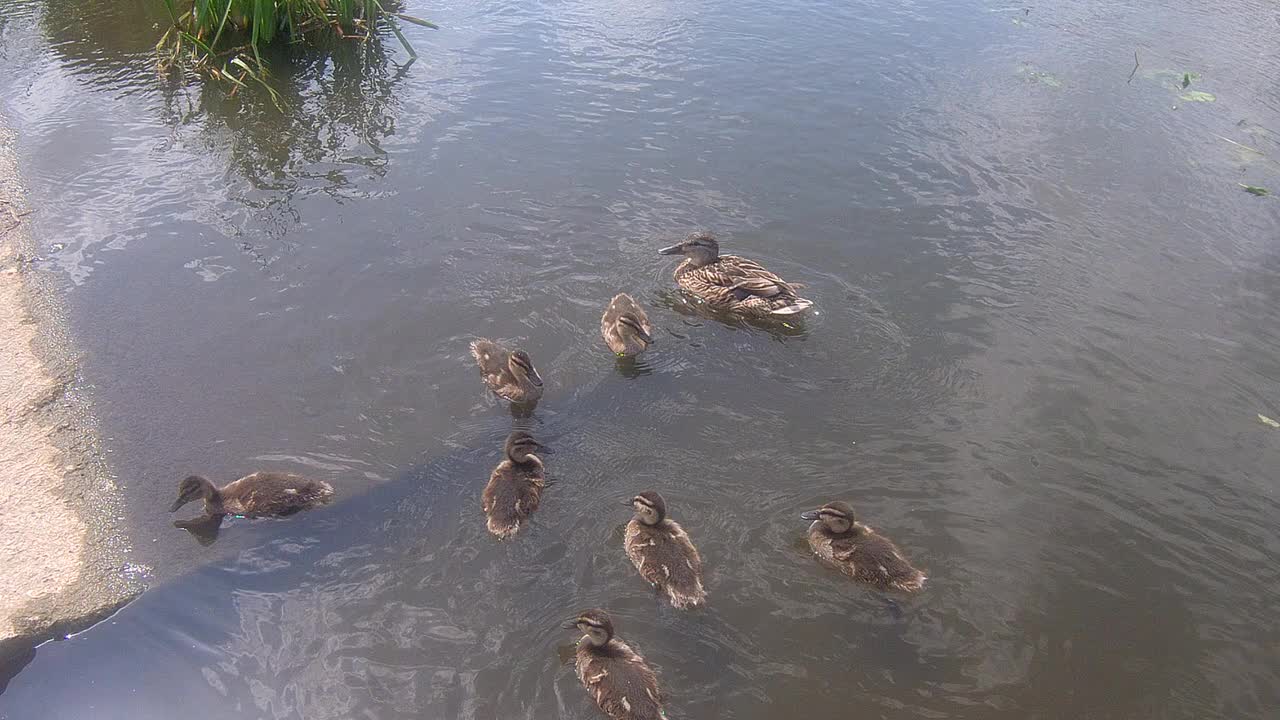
<point x="1046" y="323"/>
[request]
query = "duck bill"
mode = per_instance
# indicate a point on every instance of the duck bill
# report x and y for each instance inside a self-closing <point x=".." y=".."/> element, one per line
<point x="571" y="626"/>
<point x="673" y="250"/>
<point x="534" y="377"/>
<point x="178" y="504"/>
<point x="646" y="337"/>
<point x="811" y="515"/>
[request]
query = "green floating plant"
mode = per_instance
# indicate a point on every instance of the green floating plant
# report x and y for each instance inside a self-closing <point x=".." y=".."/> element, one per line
<point x="1197" y="96"/>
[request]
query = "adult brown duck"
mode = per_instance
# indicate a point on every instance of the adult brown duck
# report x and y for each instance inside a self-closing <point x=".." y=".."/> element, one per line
<point x="731" y="283"/>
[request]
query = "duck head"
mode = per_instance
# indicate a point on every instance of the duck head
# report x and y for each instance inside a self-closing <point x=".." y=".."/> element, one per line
<point x="521" y="446"/>
<point x="701" y="248"/>
<point x="630" y="327"/>
<point x="522" y="367"/>
<point x="836" y="516"/>
<point x="650" y="508"/>
<point x="193" y="487"/>
<point x="595" y="625"/>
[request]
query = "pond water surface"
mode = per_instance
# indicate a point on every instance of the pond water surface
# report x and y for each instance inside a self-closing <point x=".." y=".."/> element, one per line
<point x="1046" y="322"/>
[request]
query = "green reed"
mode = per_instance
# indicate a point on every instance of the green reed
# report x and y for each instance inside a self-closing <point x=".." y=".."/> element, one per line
<point x="226" y="38"/>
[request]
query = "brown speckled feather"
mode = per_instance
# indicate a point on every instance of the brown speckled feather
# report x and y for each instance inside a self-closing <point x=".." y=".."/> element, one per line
<point x="740" y="285"/>
<point x="270" y="494"/>
<point x="866" y="556"/>
<point x="620" y="681"/>
<point x="512" y="495"/>
<point x="666" y="557"/>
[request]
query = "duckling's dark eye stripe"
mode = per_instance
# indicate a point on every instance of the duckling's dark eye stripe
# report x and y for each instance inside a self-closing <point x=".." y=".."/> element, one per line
<point x="592" y="623"/>
<point x="642" y="500"/>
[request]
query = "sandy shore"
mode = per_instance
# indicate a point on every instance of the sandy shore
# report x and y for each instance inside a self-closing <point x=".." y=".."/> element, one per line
<point x="63" y="557"/>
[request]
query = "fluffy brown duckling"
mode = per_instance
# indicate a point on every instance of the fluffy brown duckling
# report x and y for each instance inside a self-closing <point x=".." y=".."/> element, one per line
<point x="625" y="326"/>
<point x="858" y="551"/>
<point x="508" y="373"/>
<point x="262" y="494"/>
<point x="515" y="486"/>
<point x="663" y="553"/>
<point x="617" y="677"/>
<point x="732" y="283"/>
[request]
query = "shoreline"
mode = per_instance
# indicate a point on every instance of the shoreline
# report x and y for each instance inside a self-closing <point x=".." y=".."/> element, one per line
<point x="63" y="550"/>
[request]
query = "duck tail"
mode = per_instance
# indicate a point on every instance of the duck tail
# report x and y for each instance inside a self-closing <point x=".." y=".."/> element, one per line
<point x="793" y="305"/>
<point x="912" y="584"/>
<point x="324" y="492"/>
<point x="686" y="600"/>
<point x="503" y="529"/>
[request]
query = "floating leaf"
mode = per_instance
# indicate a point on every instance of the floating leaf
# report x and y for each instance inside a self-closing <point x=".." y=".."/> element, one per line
<point x="1260" y="192"/>
<point x="1197" y="96"/>
<point x="1268" y="421"/>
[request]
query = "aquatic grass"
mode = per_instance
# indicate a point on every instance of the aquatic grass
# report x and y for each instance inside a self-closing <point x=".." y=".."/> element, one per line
<point x="225" y="39"/>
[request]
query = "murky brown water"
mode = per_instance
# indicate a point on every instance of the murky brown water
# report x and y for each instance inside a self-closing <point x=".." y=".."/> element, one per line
<point x="1047" y="321"/>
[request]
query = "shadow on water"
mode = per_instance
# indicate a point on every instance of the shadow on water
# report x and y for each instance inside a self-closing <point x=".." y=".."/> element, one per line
<point x="327" y="564"/>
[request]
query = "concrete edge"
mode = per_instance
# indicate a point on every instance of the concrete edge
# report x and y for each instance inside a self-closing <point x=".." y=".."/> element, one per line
<point x="63" y="481"/>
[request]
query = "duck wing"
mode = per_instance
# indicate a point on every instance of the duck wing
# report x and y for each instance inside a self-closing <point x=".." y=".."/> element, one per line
<point x="271" y="493"/>
<point x="874" y="559"/>
<point x="621" y="682"/>
<point x="748" y="277"/>
<point x="512" y="494"/>
<point x="490" y="356"/>
<point x="492" y="359"/>
<point x="743" y="284"/>
<point x="667" y="559"/>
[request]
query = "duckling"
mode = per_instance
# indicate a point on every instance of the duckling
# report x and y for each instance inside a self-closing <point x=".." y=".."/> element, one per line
<point x="732" y="283"/>
<point x="662" y="552"/>
<point x="510" y="374"/>
<point x="617" y="677"/>
<point x="262" y="494"/>
<point x="515" y="487"/>
<point x="625" y="326"/>
<point x="858" y="551"/>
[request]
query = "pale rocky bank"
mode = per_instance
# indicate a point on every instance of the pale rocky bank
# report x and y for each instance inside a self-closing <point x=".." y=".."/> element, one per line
<point x="63" y="552"/>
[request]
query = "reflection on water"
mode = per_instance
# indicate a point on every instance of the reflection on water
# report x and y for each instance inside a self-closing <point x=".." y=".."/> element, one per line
<point x="1044" y="331"/>
<point x="204" y="528"/>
